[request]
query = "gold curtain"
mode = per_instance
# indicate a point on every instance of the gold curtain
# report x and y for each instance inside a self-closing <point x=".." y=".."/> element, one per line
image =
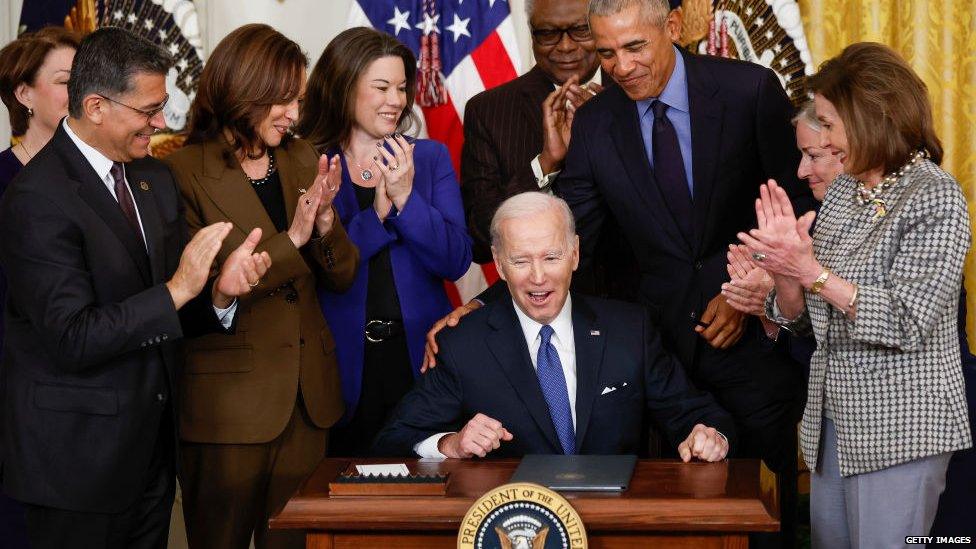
<point x="938" y="38"/>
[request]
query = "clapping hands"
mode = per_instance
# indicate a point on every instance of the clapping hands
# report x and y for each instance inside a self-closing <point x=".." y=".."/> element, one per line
<point x="397" y="167"/>
<point x="781" y="243"/>
<point x="749" y="284"/>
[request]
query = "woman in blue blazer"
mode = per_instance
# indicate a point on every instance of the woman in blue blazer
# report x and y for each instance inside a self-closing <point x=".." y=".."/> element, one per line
<point x="401" y="204"/>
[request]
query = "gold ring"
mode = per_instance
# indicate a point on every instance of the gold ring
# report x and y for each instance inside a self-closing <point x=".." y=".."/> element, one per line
<point x="302" y="191"/>
<point x="253" y="284"/>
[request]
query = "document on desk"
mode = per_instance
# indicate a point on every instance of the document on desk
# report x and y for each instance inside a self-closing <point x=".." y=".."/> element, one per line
<point x="388" y="469"/>
<point x="577" y="473"/>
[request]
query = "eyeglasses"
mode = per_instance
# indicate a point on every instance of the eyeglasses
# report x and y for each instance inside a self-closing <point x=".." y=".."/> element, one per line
<point x="551" y="37"/>
<point x="147" y="113"/>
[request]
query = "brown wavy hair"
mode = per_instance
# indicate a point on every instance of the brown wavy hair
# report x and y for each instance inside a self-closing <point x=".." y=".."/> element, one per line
<point x="251" y="69"/>
<point x="884" y="106"/>
<point x="19" y="62"/>
<point x="329" y="112"/>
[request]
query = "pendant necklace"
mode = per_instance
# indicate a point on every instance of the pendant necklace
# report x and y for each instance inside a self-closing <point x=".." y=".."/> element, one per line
<point x="865" y="196"/>
<point x="364" y="173"/>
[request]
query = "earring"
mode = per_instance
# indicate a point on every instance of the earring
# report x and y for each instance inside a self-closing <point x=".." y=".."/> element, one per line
<point x="30" y="112"/>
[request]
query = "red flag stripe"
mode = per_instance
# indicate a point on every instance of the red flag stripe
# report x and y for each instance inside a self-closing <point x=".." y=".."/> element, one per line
<point x="444" y="125"/>
<point x="491" y="274"/>
<point x="493" y="62"/>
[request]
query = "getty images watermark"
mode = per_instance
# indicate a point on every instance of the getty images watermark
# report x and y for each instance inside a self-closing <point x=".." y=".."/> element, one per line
<point x="912" y="540"/>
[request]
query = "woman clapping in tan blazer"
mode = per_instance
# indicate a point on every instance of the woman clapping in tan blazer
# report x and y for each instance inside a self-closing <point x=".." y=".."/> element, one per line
<point x="256" y="406"/>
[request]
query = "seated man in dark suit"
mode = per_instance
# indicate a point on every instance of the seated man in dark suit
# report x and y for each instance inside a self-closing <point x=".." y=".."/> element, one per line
<point x="549" y="372"/>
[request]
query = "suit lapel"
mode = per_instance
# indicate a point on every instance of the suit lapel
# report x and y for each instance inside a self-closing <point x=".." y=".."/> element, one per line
<point x="706" y="136"/>
<point x="590" y="342"/>
<point x="94" y="192"/>
<point x="507" y="345"/>
<point x="626" y="135"/>
<point x="535" y="88"/>
<point x="230" y="191"/>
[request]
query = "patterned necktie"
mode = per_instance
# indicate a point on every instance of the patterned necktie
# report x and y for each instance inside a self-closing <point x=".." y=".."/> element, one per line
<point x="553" y="382"/>
<point x="669" y="169"/>
<point x="125" y="199"/>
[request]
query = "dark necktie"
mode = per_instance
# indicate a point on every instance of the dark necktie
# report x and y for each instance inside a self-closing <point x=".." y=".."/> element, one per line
<point x="553" y="382"/>
<point x="669" y="170"/>
<point x="125" y="199"/>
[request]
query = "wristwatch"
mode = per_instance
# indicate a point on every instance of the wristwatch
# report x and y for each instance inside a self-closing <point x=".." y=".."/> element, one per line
<point x="818" y="284"/>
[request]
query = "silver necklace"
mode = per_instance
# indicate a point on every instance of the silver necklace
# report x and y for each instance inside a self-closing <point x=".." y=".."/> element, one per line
<point x="872" y="196"/>
<point x="364" y="173"/>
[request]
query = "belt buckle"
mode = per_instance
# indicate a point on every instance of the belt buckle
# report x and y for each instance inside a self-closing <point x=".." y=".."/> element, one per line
<point x="373" y="323"/>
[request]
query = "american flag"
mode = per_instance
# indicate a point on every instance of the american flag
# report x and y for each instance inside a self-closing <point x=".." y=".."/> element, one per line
<point x="463" y="47"/>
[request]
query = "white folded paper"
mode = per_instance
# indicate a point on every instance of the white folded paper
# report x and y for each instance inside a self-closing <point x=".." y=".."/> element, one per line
<point x="390" y="469"/>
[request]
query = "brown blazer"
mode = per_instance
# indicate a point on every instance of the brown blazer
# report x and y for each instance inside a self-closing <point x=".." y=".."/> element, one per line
<point x="242" y="388"/>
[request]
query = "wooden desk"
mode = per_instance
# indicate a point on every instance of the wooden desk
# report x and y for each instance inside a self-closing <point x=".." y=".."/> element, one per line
<point x="669" y="504"/>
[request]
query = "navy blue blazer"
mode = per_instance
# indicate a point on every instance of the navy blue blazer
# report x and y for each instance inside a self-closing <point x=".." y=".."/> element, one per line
<point x="484" y="366"/>
<point x="428" y="243"/>
<point x="741" y="136"/>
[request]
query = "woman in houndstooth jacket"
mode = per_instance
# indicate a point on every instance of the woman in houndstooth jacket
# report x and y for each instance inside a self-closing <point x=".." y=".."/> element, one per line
<point x="877" y="286"/>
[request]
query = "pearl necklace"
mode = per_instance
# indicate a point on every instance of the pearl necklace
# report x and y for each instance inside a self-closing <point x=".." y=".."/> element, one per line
<point x="865" y="196"/>
<point x="267" y="176"/>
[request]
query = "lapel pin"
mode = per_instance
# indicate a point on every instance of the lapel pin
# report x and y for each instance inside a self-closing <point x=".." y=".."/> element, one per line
<point x="143" y="185"/>
<point x="594" y="332"/>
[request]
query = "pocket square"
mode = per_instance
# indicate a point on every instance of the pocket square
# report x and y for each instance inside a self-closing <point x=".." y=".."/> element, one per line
<point x="608" y="390"/>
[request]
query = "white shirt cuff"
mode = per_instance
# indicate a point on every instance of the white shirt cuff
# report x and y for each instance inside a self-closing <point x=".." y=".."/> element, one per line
<point x="427" y="448"/>
<point x="544" y="181"/>
<point x="226" y="316"/>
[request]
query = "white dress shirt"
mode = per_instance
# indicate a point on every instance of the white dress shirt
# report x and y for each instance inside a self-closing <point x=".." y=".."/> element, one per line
<point x="103" y="168"/>
<point x="562" y="340"/>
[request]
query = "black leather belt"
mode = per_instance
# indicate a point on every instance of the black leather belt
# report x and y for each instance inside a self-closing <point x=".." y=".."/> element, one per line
<point x="381" y="330"/>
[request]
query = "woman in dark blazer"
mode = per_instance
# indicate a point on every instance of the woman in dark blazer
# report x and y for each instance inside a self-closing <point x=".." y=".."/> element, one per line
<point x="256" y="406"/>
<point x="401" y="203"/>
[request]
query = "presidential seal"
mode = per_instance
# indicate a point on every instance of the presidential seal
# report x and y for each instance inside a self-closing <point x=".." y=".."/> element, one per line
<point x="767" y="32"/>
<point x="522" y="516"/>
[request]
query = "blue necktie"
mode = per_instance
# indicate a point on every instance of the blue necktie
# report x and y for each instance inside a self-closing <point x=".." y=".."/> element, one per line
<point x="553" y="382"/>
<point x="669" y="169"/>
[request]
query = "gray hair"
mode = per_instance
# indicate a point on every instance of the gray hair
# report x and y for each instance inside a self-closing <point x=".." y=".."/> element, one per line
<point x="106" y="61"/>
<point x="652" y="11"/>
<point x="808" y="115"/>
<point x="527" y="204"/>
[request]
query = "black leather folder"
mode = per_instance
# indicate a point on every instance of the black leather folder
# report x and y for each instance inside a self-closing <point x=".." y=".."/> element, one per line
<point x="577" y="473"/>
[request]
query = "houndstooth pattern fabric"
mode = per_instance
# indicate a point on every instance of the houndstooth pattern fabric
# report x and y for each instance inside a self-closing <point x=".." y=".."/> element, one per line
<point x="892" y="377"/>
